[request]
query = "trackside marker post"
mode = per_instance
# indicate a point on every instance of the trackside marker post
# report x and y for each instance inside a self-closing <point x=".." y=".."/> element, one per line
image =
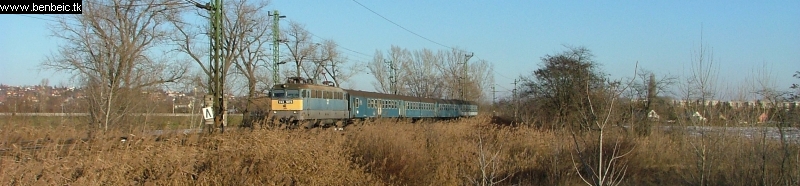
<point x="208" y="113"/>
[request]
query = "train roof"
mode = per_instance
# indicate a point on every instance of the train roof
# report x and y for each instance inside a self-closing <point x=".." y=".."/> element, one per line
<point x="307" y="86"/>
<point x="301" y="83"/>
<point x="387" y="96"/>
<point x="404" y="98"/>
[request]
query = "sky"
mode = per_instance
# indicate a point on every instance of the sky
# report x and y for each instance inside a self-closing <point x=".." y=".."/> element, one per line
<point x="745" y="37"/>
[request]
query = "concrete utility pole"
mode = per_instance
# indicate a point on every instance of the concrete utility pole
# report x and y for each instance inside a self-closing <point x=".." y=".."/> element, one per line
<point x="276" y="40"/>
<point x="464" y="76"/>
<point x="392" y="78"/>
<point x="494" y="99"/>
<point x="516" y="106"/>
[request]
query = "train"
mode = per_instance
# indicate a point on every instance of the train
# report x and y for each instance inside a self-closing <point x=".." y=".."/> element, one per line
<point x="301" y="102"/>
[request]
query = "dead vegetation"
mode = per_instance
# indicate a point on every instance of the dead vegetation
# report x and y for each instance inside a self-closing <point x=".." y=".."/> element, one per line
<point x="457" y="152"/>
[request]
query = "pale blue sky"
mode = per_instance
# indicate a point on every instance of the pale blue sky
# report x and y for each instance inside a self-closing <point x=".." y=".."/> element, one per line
<point x="661" y="35"/>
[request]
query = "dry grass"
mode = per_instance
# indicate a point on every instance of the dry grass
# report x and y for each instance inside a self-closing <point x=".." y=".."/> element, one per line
<point x="375" y="153"/>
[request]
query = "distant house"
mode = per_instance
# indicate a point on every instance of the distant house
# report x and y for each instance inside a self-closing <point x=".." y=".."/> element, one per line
<point x="763" y="118"/>
<point x="652" y="115"/>
<point x="698" y="117"/>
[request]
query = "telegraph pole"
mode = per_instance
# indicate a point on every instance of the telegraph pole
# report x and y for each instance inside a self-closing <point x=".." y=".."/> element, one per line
<point x="515" y="100"/>
<point x="276" y="40"/>
<point x="392" y="78"/>
<point x="464" y="76"/>
<point x="494" y="99"/>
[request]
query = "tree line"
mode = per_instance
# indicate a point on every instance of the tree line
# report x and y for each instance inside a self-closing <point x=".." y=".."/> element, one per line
<point x="118" y="49"/>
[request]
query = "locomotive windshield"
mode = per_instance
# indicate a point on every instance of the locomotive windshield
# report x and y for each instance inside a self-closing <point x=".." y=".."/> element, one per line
<point x="285" y="93"/>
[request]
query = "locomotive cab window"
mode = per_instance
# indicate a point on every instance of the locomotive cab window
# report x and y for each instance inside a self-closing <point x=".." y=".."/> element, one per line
<point x="278" y="93"/>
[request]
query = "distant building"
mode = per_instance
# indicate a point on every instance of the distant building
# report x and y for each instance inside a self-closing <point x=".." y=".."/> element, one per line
<point x="763" y="118"/>
<point x="652" y="115"/>
<point x="698" y="117"/>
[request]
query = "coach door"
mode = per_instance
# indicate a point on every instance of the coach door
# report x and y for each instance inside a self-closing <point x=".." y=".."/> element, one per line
<point x="379" y="107"/>
<point x="401" y="105"/>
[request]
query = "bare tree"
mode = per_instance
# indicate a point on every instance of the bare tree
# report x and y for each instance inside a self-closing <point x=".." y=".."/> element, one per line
<point x="427" y="81"/>
<point x="331" y="63"/>
<point x="462" y="77"/>
<point x="644" y="94"/>
<point x="252" y="48"/>
<point x="561" y="82"/>
<point x="42" y="96"/>
<point x="601" y="166"/>
<point x="111" y="46"/>
<point x="428" y="73"/>
<point x="698" y="88"/>
<point x="772" y="99"/>
<point x="381" y="68"/>
<point x="796" y="87"/>
<point x="490" y="163"/>
<point x="244" y="28"/>
<point x="301" y="48"/>
<point x="377" y="68"/>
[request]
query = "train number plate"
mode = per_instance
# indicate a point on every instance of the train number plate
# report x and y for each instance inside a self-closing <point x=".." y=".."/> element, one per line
<point x="284" y="101"/>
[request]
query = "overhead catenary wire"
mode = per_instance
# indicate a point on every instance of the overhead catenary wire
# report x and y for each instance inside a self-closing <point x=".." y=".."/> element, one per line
<point x="404" y="28"/>
<point x="338" y="45"/>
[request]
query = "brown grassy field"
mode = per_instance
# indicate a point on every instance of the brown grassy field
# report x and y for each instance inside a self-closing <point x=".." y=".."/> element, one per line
<point x="36" y="151"/>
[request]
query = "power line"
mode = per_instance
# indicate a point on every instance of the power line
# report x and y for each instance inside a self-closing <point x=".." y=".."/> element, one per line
<point x="340" y="46"/>
<point x="39" y="18"/>
<point x="46" y="19"/>
<point x="146" y="4"/>
<point x="404" y="28"/>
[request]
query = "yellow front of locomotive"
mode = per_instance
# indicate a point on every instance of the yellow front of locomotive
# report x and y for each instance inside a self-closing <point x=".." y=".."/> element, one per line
<point x="286" y="103"/>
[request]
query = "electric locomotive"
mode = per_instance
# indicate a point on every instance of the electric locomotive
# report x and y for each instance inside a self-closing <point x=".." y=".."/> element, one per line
<point x="301" y="102"/>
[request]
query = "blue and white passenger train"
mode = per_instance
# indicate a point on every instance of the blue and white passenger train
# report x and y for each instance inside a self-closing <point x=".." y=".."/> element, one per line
<point x="301" y="102"/>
